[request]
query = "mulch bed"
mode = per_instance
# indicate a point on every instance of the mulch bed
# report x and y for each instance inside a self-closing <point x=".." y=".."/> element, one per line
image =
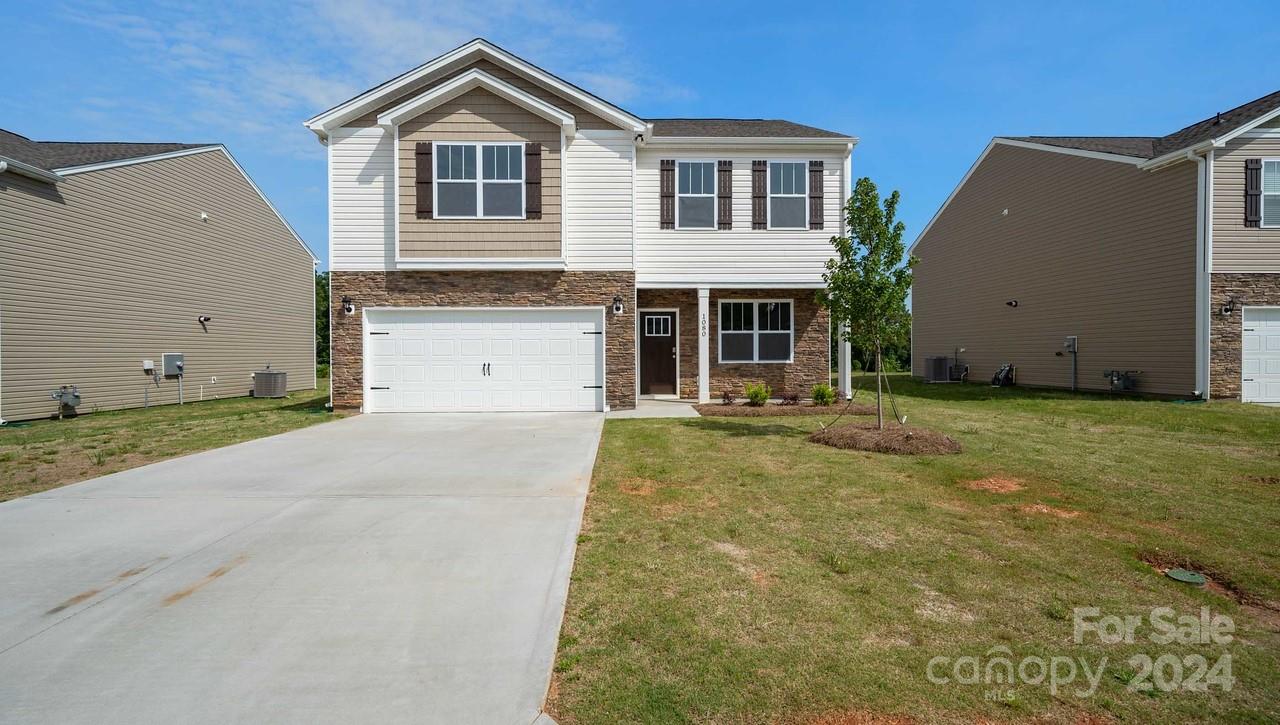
<point x="893" y="439"/>
<point x="741" y="410"/>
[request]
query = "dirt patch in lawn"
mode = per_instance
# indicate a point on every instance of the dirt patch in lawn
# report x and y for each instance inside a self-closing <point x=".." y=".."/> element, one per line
<point x="1264" y="480"/>
<point x="638" y="486"/>
<point x="739" y="410"/>
<point x="893" y="439"/>
<point x="854" y="717"/>
<point x="1039" y="508"/>
<point x="740" y="558"/>
<point x="995" y="484"/>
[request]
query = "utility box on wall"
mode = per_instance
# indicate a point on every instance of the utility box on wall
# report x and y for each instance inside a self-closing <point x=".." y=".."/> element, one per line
<point x="173" y="364"/>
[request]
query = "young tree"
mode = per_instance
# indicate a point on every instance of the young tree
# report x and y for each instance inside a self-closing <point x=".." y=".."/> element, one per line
<point x="867" y="282"/>
<point x="322" y="318"/>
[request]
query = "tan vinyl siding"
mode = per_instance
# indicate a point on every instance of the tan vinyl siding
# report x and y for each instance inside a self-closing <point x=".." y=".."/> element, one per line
<point x="1237" y="248"/>
<point x="114" y="266"/>
<point x="479" y="115"/>
<point x="583" y="118"/>
<point x="1093" y="248"/>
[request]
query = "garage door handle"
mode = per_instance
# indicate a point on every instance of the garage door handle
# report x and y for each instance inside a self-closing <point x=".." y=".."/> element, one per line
<point x="376" y="388"/>
<point x="597" y="387"/>
<point x="591" y="333"/>
<point x="379" y="333"/>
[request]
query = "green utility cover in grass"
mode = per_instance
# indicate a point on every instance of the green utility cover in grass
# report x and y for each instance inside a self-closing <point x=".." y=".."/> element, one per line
<point x="1185" y="576"/>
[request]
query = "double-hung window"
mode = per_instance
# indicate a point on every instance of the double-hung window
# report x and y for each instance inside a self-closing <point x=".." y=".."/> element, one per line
<point x="755" y="331"/>
<point x="788" y="206"/>
<point x="1271" y="193"/>
<point x="696" y="195"/>
<point x="490" y="189"/>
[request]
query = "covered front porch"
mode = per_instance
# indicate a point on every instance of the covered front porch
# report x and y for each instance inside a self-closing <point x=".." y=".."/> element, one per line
<point x="697" y="343"/>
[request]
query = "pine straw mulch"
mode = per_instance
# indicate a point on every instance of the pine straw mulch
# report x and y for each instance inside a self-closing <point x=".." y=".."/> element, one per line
<point x="742" y="410"/>
<point x="893" y="439"/>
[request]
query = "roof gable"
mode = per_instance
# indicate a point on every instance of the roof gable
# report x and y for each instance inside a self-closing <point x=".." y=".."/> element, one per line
<point x="395" y="92"/>
<point x="471" y="80"/>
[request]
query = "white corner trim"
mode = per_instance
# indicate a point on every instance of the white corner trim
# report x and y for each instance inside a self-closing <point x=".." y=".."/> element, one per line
<point x="1136" y="161"/>
<point x="18" y="167"/>
<point x="88" y="168"/>
<point x="482" y="263"/>
<point x="367" y="101"/>
<point x="468" y="81"/>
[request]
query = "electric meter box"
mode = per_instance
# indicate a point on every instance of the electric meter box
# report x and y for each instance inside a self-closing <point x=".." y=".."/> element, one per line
<point x="172" y="362"/>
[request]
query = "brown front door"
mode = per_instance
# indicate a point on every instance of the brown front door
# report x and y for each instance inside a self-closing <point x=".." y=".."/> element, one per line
<point x="658" y="353"/>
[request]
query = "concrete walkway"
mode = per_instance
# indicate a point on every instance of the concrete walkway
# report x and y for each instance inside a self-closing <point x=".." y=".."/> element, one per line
<point x="375" y="569"/>
<point x="657" y="408"/>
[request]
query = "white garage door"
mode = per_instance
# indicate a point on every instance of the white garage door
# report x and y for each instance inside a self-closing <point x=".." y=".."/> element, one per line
<point x="1261" y="352"/>
<point x="480" y="360"/>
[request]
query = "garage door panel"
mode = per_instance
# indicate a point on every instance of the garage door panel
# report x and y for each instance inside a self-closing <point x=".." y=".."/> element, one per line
<point x="526" y="359"/>
<point x="1260" y="354"/>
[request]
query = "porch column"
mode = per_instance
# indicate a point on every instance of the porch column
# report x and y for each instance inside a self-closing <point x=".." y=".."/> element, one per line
<point x="704" y="345"/>
<point x="844" y="364"/>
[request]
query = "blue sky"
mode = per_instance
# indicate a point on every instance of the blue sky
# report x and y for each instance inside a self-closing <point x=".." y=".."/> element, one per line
<point x="924" y="85"/>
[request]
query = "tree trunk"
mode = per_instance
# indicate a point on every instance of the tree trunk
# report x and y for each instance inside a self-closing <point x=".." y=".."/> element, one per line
<point x="879" y="394"/>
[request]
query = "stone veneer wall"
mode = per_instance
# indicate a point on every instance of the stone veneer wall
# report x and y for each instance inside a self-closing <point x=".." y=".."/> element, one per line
<point x="1225" y="332"/>
<point x="482" y="289"/>
<point x="811" y="352"/>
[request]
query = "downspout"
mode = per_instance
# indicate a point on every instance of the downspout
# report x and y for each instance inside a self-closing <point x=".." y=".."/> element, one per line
<point x="1203" y="199"/>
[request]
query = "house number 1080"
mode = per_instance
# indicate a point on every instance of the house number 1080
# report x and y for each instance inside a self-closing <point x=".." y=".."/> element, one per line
<point x="703" y="326"/>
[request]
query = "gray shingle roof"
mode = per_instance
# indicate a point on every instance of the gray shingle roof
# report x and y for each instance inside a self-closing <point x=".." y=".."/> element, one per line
<point x="736" y="128"/>
<point x="1149" y="147"/>
<point x="50" y="155"/>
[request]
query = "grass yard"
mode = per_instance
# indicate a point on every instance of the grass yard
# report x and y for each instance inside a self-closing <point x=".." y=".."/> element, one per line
<point x="729" y="571"/>
<point x="45" y="454"/>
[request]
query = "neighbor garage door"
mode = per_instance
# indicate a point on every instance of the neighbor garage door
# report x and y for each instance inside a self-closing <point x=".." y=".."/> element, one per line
<point x="481" y="360"/>
<point x="1261" y="355"/>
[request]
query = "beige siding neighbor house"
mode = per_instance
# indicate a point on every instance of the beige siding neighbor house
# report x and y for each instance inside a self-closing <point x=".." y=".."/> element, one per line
<point x="501" y="239"/>
<point x="1154" y="255"/>
<point x="115" y="254"/>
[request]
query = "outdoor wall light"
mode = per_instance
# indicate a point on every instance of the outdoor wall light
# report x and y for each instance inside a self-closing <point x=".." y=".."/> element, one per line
<point x="617" y="304"/>
<point x="1012" y="303"/>
<point x="348" y="305"/>
<point x="1229" y="306"/>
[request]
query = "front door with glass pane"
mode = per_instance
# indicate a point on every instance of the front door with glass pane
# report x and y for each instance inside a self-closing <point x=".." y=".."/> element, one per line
<point x="658" y="353"/>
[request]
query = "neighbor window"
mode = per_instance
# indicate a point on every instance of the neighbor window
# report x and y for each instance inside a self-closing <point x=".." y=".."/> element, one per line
<point x="498" y="193"/>
<point x="755" y="331"/>
<point x="1271" y="193"/>
<point x="788" y="207"/>
<point x="696" y="195"/>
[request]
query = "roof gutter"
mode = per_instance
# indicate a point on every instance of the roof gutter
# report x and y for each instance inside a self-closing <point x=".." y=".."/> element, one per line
<point x="1174" y="157"/>
<point x="843" y="141"/>
<point x="18" y="167"/>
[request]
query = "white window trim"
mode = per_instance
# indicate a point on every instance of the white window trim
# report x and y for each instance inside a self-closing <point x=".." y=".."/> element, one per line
<point x="715" y="189"/>
<point x="755" y="333"/>
<point x="769" y="195"/>
<point x="1262" y="196"/>
<point x="479" y="180"/>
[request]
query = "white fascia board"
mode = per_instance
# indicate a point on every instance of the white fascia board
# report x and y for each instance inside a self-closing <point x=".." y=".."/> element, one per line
<point x="844" y="142"/>
<point x="88" y="168"/>
<point x="367" y="101"/>
<point x="470" y="80"/>
<point x="483" y="263"/>
<point x="1136" y="161"/>
<point x="659" y="284"/>
<point x="11" y="164"/>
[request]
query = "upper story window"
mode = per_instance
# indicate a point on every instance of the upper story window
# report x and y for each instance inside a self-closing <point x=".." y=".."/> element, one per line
<point x="755" y="331"/>
<point x="1271" y="193"/>
<point x="498" y="193"/>
<point x="696" y="195"/>
<point x="788" y="206"/>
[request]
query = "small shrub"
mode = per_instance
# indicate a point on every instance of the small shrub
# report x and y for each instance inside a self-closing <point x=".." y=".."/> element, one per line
<point x="322" y="370"/>
<point x="727" y="397"/>
<point x="823" y="394"/>
<point x="791" y="399"/>
<point x="757" y="393"/>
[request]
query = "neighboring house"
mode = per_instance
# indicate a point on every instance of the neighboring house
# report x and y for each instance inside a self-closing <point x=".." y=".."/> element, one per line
<point x="1159" y="254"/>
<point x="501" y="239"/>
<point x="112" y="253"/>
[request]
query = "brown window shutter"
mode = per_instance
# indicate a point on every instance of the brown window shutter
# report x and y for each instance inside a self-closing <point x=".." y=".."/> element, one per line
<point x="667" y="194"/>
<point x="815" y="194"/>
<point x="759" y="194"/>
<point x="1253" y="192"/>
<point x="533" y="181"/>
<point x="724" y="194"/>
<point x="422" y="179"/>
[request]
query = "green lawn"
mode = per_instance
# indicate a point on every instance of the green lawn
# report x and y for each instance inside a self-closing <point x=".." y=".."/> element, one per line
<point x="729" y="571"/>
<point x="44" y="454"/>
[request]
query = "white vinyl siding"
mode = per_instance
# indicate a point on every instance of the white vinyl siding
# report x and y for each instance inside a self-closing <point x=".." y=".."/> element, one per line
<point x="598" y="202"/>
<point x="740" y="256"/>
<point x="361" y="199"/>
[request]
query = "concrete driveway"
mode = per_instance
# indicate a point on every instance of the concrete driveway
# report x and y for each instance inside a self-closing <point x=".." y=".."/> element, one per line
<point x="376" y="569"/>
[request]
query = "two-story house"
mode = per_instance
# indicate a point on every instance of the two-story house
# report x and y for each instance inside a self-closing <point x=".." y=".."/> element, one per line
<point x="1074" y="256"/>
<point x="501" y="239"/>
